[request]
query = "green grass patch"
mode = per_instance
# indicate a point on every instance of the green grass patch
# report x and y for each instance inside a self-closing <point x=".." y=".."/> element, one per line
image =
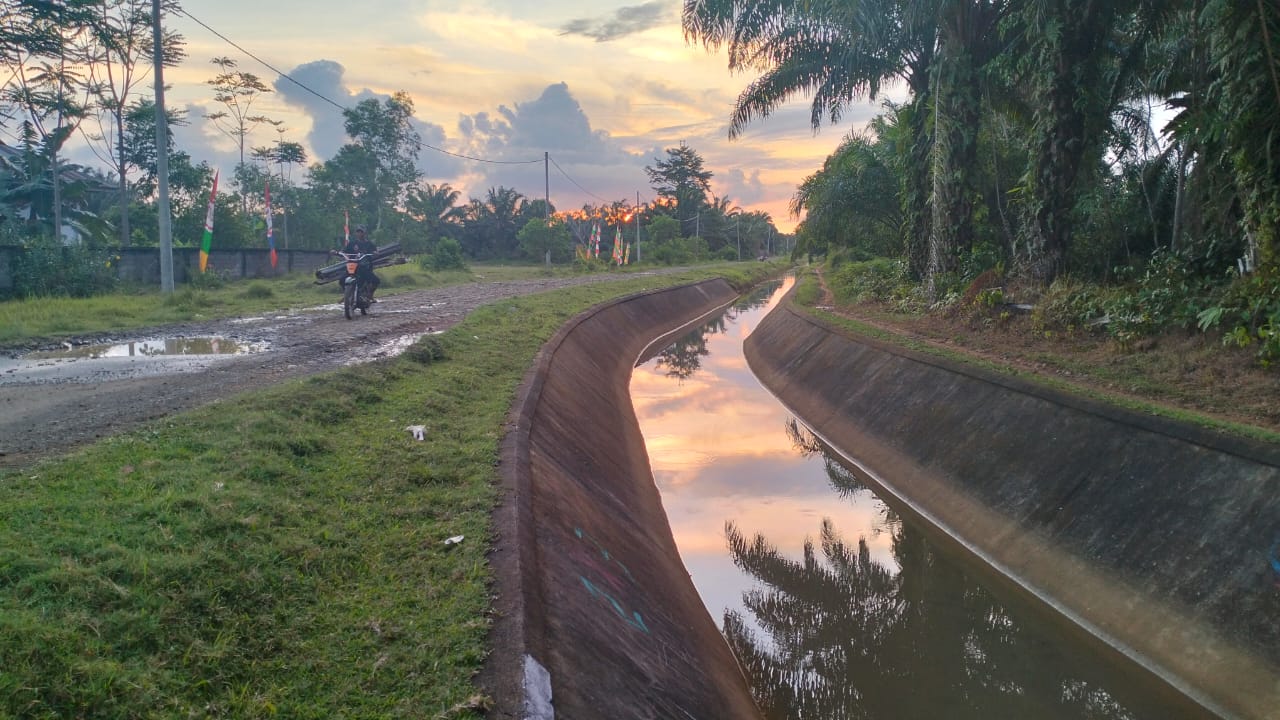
<point x="280" y="554"/>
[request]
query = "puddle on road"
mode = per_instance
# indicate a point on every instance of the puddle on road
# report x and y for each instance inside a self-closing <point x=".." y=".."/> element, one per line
<point x="156" y="348"/>
<point x="391" y="348"/>
<point x="123" y="360"/>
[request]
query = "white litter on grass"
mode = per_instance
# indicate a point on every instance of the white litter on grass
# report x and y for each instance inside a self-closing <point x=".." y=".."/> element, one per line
<point x="418" y="431"/>
<point x="454" y="540"/>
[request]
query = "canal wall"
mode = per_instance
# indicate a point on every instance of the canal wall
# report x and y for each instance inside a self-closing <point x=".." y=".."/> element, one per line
<point x="590" y="584"/>
<point x="1156" y="539"/>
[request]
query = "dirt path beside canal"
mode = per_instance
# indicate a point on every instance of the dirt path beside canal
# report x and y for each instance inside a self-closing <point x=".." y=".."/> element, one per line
<point x="52" y="406"/>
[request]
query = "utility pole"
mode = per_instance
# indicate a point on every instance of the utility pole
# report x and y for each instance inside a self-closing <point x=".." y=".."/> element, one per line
<point x="546" y="176"/>
<point x="737" y="230"/>
<point x="637" y="226"/>
<point x="162" y="157"/>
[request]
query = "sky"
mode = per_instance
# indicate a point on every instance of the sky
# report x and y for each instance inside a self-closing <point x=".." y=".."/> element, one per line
<point x="604" y="87"/>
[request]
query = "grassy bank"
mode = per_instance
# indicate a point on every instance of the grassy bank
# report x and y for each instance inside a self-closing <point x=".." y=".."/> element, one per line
<point x="281" y="554"/>
<point x="1050" y="365"/>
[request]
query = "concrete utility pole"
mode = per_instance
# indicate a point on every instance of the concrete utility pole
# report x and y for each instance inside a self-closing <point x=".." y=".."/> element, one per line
<point x="162" y="157"/>
<point x="637" y="226"/>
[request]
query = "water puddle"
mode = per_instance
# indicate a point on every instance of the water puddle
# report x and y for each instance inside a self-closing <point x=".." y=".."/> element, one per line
<point x="154" y="348"/>
<point x="105" y="362"/>
<point x="391" y="348"/>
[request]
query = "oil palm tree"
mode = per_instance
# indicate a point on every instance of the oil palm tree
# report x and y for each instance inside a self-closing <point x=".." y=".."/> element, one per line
<point x="844" y="52"/>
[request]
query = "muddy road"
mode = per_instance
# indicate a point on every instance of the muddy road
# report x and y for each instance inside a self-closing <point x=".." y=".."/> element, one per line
<point x="59" y="396"/>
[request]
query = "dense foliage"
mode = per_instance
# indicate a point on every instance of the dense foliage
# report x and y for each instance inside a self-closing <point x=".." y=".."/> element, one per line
<point x="1131" y="147"/>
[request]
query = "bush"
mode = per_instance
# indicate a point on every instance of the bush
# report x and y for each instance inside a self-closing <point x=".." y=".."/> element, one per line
<point x="48" y="268"/>
<point x="446" y="256"/>
<point x="880" y="279"/>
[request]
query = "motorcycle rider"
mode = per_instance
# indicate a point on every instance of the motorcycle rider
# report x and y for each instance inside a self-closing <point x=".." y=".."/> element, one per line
<point x="360" y="243"/>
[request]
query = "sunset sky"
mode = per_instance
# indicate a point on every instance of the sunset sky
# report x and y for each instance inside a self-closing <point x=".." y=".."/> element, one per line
<point x="604" y="87"/>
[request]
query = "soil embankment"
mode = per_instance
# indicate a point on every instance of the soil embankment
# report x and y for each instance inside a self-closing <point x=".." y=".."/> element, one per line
<point x="1154" y="537"/>
<point x="591" y="589"/>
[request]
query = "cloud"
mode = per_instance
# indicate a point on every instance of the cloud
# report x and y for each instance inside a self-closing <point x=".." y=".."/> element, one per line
<point x="587" y="165"/>
<point x="623" y="22"/>
<point x="743" y="189"/>
<point x="318" y="90"/>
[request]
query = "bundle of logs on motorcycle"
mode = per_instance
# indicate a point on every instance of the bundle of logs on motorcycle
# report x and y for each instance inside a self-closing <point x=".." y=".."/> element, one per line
<point x="382" y="257"/>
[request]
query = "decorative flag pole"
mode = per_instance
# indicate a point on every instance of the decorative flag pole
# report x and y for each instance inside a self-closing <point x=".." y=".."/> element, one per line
<point x="617" y="246"/>
<point x="346" y="228"/>
<point x="271" y="241"/>
<point x="207" y="243"/>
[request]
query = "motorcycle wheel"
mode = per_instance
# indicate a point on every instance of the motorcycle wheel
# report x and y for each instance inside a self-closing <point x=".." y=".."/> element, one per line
<point x="348" y="300"/>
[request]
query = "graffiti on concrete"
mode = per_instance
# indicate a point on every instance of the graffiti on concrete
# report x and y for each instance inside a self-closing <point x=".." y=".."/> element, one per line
<point x="607" y="584"/>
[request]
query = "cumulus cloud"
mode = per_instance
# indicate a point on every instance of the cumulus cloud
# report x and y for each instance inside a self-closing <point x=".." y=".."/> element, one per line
<point x="744" y="189"/>
<point x="623" y="22"/>
<point x="319" y="91"/>
<point x="588" y="165"/>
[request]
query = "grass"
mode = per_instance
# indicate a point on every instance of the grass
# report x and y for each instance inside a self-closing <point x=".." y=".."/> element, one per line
<point x="55" y="317"/>
<point x="280" y="554"/>
<point x="808" y="292"/>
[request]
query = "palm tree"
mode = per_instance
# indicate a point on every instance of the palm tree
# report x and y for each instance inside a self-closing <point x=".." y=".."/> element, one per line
<point x="437" y="210"/>
<point x="491" y="223"/>
<point x="842" y="52"/>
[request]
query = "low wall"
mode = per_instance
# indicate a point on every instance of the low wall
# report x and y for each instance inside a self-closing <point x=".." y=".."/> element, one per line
<point x="142" y="265"/>
<point x="591" y="585"/>
<point x="1154" y="537"/>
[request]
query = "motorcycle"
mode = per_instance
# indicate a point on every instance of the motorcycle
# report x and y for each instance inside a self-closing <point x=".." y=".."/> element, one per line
<point x="355" y="290"/>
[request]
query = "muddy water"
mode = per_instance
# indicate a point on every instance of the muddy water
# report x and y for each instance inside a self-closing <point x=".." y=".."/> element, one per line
<point x="836" y="606"/>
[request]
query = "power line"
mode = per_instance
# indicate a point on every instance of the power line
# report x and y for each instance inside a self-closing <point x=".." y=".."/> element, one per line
<point x="336" y="104"/>
<point x="575" y="182"/>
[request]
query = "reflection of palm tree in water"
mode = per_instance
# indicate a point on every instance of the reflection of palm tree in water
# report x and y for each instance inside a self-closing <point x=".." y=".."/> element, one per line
<point x="849" y="638"/>
<point x="684" y="357"/>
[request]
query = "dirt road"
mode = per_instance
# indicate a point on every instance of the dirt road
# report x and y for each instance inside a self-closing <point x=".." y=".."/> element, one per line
<point x="50" y="405"/>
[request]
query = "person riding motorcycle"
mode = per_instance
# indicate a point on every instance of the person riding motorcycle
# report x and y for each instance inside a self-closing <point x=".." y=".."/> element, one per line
<point x="360" y="243"/>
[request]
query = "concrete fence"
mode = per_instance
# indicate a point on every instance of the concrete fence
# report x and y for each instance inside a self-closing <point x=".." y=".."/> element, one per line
<point x="142" y="265"/>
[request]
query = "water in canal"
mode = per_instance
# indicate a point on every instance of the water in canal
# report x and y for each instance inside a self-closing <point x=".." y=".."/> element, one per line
<point x="835" y="606"/>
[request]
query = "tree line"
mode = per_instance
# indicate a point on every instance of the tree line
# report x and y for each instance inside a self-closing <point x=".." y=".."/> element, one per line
<point x="1027" y="136"/>
<point x="81" y="69"/>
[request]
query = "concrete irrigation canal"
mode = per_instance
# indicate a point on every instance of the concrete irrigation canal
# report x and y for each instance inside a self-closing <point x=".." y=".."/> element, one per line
<point x="873" y="533"/>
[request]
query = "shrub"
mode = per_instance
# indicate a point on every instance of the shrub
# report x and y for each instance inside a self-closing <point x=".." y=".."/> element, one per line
<point x="49" y="268"/>
<point x="880" y="279"/>
<point x="446" y="256"/>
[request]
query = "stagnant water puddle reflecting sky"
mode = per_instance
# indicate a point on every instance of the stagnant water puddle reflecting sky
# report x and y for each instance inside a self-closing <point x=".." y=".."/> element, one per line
<point x="835" y="606"/>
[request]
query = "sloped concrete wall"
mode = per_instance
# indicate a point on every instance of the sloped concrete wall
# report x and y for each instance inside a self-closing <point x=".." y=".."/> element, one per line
<point x="1154" y="537"/>
<point x="591" y="584"/>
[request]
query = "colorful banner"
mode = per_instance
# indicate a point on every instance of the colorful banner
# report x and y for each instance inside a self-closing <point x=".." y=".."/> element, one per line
<point x="271" y="241"/>
<point x="626" y="255"/>
<point x="595" y="238"/>
<point x="617" y="247"/>
<point x="207" y="243"/>
<point x="346" y="228"/>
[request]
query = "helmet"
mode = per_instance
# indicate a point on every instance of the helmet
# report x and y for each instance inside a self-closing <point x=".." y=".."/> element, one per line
<point x="360" y="228"/>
